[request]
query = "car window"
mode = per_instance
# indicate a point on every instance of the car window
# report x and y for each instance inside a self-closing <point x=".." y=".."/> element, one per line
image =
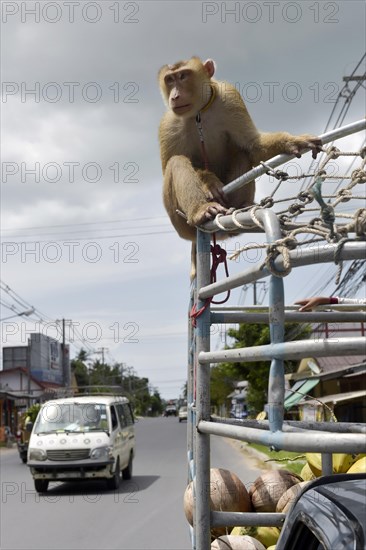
<point x="114" y="418"/>
<point x="121" y="416"/>
<point x="303" y="538"/>
<point x="128" y="414"/>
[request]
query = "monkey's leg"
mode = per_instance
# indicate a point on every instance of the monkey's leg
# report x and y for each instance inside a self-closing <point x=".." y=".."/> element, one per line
<point x="239" y="165"/>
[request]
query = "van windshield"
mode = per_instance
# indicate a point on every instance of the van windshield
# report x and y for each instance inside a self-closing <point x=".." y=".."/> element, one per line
<point x="71" y="417"/>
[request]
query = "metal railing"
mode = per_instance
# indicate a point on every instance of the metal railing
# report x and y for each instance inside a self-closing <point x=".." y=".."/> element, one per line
<point x="323" y="437"/>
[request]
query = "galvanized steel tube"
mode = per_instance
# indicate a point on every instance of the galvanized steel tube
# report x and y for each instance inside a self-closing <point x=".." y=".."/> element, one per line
<point x="298" y="257"/>
<point x="288" y="350"/>
<point x="240" y="182"/>
<point x="300" y="442"/>
<point x="276" y="380"/>
<point x="202" y="454"/>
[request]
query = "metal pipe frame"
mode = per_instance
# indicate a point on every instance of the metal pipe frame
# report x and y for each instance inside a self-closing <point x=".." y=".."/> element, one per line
<point x="232" y="519"/>
<point x="298" y="258"/>
<point x="313" y="442"/>
<point x="277" y="434"/>
<point x="338" y="133"/>
<point x="290" y="317"/>
<point x="297" y="425"/>
<point x="201" y="513"/>
<point x="297" y="349"/>
<point x="190" y="387"/>
<point x="276" y="382"/>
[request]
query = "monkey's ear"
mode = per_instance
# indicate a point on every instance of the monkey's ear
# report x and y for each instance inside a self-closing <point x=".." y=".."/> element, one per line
<point x="210" y="67"/>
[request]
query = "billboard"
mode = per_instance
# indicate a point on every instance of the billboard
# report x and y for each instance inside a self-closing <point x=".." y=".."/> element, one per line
<point x="46" y="358"/>
<point x="43" y="357"/>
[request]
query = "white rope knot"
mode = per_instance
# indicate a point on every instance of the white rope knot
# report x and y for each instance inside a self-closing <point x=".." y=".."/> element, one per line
<point x="358" y="176"/>
<point x="333" y="152"/>
<point x="305" y="197"/>
<point x="344" y="195"/>
<point x="360" y="222"/>
<point x="267" y="202"/>
<point x="273" y="251"/>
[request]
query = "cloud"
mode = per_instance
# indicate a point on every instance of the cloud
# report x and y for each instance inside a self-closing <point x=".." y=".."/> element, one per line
<point x="80" y="97"/>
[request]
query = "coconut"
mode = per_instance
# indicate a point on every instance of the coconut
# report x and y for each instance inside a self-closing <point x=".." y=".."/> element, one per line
<point x="289" y="497"/>
<point x="268" y="488"/>
<point x="188" y="501"/>
<point x="227" y="494"/>
<point x="233" y="542"/>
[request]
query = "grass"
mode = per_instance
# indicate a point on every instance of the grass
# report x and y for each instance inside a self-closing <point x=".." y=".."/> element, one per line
<point x="289" y="460"/>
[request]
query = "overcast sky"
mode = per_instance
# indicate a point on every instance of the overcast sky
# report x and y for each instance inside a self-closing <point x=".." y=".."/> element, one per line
<point x="84" y="233"/>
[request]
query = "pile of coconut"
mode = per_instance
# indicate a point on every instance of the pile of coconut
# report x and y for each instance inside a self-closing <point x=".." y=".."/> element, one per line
<point x="272" y="491"/>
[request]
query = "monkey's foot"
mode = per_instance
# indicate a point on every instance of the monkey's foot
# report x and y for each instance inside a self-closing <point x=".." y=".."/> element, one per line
<point x="207" y="212"/>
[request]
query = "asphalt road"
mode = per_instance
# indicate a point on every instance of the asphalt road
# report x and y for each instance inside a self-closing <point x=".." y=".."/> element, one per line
<point x="146" y="513"/>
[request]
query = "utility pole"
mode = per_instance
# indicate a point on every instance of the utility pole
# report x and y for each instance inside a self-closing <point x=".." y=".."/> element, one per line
<point x="255" y="294"/>
<point x="65" y="360"/>
<point x="102" y="350"/>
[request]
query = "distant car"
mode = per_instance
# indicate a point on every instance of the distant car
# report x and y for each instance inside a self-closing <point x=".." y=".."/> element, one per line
<point x="183" y="413"/>
<point x="170" y="410"/>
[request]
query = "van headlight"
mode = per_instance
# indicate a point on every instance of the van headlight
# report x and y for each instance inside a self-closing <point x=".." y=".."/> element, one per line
<point x="101" y="452"/>
<point x="37" y="454"/>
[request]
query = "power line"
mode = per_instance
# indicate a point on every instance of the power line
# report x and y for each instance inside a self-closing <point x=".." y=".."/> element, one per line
<point x="103" y="222"/>
<point x="94" y="237"/>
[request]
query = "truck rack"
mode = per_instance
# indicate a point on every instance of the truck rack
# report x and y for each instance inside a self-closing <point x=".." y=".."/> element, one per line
<point x="323" y="437"/>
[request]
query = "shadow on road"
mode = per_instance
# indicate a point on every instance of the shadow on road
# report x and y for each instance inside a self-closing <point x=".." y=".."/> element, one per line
<point x="96" y="487"/>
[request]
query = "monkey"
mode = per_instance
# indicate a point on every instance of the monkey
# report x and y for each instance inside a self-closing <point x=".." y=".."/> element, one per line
<point x="207" y="139"/>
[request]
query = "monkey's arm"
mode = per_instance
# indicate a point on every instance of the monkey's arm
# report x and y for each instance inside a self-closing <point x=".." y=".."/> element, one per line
<point x="271" y="144"/>
<point x="262" y="146"/>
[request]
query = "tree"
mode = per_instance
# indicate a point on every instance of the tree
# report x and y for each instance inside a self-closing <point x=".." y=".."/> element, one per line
<point x="225" y="375"/>
<point x="79" y="368"/>
<point x="156" y="404"/>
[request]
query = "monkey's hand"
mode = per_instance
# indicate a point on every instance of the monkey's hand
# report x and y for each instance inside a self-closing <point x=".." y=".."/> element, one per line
<point x="296" y="145"/>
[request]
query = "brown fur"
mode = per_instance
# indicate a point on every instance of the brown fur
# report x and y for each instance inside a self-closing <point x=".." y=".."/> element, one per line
<point x="231" y="140"/>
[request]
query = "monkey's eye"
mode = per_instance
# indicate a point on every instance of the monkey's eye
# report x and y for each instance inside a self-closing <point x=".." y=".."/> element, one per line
<point x="169" y="80"/>
<point x="182" y="76"/>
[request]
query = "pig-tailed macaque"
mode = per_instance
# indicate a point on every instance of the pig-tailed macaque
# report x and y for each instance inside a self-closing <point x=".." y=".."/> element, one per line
<point x="207" y="139"/>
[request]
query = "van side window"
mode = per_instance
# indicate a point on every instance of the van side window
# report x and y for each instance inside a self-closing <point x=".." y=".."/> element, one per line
<point x="128" y="414"/>
<point x="121" y="416"/>
<point x="114" y="418"/>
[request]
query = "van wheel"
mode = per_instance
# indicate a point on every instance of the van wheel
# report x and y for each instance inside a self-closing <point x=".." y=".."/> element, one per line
<point x="127" y="472"/>
<point x="41" y="485"/>
<point x="113" y="482"/>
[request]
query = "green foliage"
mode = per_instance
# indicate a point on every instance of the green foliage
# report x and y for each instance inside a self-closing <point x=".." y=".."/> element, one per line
<point x="225" y="375"/>
<point x="98" y="376"/>
<point x="32" y="412"/>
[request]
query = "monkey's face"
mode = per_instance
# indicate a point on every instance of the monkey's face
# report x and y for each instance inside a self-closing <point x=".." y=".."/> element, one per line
<point x="186" y="87"/>
<point x="181" y="93"/>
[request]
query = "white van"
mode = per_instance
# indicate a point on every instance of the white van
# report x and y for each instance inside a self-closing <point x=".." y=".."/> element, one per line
<point x="84" y="437"/>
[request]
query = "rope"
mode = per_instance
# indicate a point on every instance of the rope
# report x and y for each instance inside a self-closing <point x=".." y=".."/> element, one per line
<point x="275" y="249"/>
<point x="321" y="227"/>
<point x="219" y="255"/>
